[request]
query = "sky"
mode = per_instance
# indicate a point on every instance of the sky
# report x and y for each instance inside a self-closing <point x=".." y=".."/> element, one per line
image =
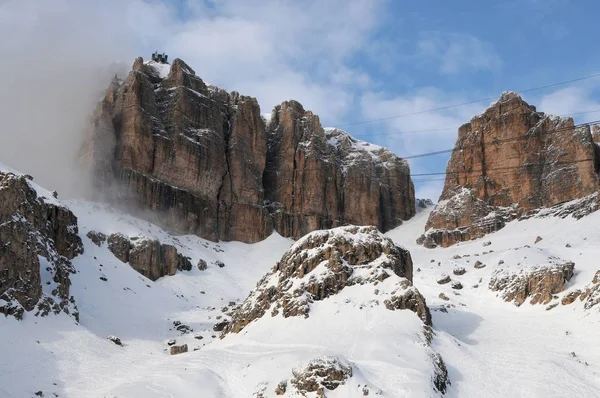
<point x="350" y="62"/>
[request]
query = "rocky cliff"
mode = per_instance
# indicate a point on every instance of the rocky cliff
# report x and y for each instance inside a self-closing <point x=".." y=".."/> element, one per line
<point x="205" y="161"/>
<point x="508" y="161"/>
<point x="38" y="238"/>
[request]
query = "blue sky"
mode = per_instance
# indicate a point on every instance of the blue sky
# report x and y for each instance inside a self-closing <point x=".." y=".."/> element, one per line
<point x="348" y="61"/>
<point x="364" y="60"/>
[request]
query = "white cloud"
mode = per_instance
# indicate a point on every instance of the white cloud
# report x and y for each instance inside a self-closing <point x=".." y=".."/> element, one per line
<point x="273" y="50"/>
<point x="421" y="115"/>
<point x="456" y="52"/>
<point x="571" y="101"/>
<point x="277" y="50"/>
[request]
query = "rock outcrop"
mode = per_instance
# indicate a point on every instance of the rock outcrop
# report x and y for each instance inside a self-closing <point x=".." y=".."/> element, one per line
<point x="205" y="162"/>
<point x="507" y="162"/>
<point x="325" y="262"/>
<point x="538" y="282"/>
<point x="590" y="296"/>
<point x="321" y="374"/>
<point x="147" y="256"/>
<point x="36" y="233"/>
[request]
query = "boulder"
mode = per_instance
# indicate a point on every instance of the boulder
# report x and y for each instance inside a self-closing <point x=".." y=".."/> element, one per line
<point x="443" y="279"/>
<point x="148" y="256"/>
<point x="178" y="349"/>
<point x="218" y="327"/>
<point x="115" y="340"/>
<point x="459" y="271"/>
<point x="98" y="238"/>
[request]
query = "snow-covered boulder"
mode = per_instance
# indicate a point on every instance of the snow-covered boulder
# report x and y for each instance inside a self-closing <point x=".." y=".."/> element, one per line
<point x="325" y="262"/>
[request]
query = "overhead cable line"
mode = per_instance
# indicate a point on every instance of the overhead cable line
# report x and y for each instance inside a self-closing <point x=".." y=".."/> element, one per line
<point x="471" y="102"/>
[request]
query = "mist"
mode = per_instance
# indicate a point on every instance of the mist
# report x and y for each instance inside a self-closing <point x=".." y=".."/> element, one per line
<point x="57" y="60"/>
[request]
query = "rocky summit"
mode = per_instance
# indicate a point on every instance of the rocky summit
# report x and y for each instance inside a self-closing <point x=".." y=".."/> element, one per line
<point x="507" y="162"/>
<point x="205" y="162"/>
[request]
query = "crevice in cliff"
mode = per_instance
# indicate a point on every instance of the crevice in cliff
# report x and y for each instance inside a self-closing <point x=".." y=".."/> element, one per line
<point x="223" y="205"/>
<point x="597" y="158"/>
<point x="483" y="165"/>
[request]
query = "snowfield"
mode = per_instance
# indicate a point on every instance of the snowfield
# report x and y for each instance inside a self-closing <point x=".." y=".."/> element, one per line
<point x="491" y="348"/>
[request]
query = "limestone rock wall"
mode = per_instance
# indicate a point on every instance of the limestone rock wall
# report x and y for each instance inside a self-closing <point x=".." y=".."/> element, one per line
<point x="204" y="161"/>
<point x="507" y="161"/>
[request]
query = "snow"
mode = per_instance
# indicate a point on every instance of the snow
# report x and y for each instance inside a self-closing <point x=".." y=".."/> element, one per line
<point x="357" y="150"/>
<point x="491" y="348"/>
<point x="163" y="70"/>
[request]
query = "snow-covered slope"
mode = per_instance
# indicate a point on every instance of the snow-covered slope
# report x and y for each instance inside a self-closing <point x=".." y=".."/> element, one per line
<point x="491" y="348"/>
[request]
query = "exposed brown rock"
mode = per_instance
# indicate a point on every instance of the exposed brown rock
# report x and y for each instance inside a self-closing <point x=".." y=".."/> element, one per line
<point x="203" y="161"/>
<point x="538" y="282"/>
<point x="318" y="179"/>
<point x="120" y="246"/>
<point x="178" y="349"/>
<point x="538" y="239"/>
<point x="336" y="253"/>
<point x="591" y="294"/>
<point x="281" y="388"/>
<point x="32" y="226"/>
<point x="98" y="238"/>
<point x="571" y="297"/>
<point x="320" y="374"/>
<point x="148" y="256"/>
<point x="508" y="161"/>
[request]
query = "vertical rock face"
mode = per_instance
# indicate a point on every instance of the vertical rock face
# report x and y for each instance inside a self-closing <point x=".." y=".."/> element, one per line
<point x="34" y="233"/>
<point x="321" y="178"/>
<point x="509" y="160"/>
<point x="205" y="163"/>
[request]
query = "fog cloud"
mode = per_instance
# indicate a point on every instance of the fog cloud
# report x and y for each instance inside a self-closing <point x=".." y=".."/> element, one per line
<point x="56" y="62"/>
